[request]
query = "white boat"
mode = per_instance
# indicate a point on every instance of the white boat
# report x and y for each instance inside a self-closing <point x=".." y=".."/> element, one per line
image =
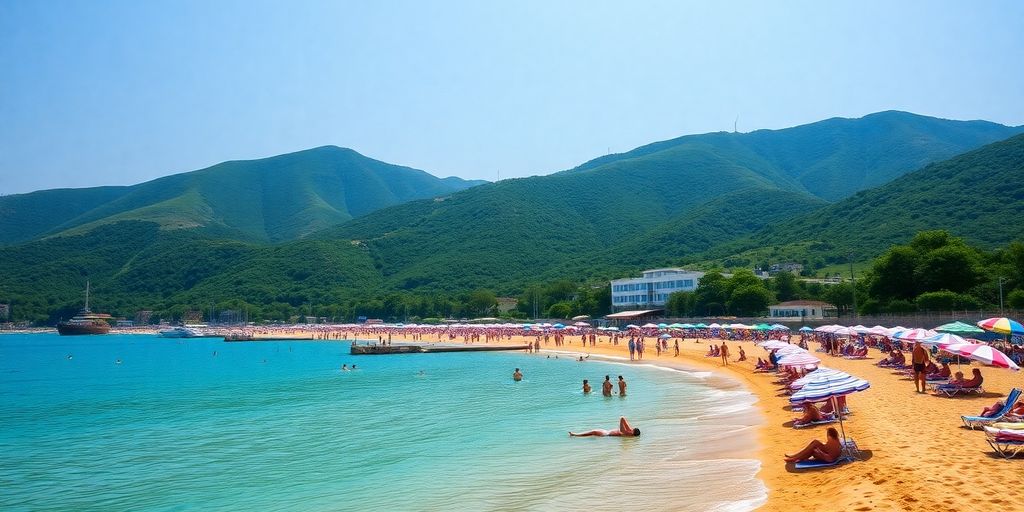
<point x="179" y="332"/>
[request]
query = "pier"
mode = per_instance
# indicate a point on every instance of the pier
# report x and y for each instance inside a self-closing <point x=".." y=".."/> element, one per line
<point x="403" y="348"/>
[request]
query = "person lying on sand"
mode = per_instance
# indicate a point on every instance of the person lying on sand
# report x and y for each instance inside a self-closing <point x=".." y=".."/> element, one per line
<point x="811" y="415"/>
<point x="828" y="451"/>
<point x="624" y="430"/>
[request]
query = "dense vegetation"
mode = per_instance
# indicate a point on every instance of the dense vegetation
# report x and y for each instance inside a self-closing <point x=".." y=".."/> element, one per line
<point x="273" y="199"/>
<point x="728" y="202"/>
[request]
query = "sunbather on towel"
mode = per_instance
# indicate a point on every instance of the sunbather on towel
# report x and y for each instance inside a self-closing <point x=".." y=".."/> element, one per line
<point x="942" y="373"/>
<point x="811" y="415"/>
<point x="828" y="451"/>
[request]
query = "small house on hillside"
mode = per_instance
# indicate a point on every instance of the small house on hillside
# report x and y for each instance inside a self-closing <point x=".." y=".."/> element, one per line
<point x="803" y="309"/>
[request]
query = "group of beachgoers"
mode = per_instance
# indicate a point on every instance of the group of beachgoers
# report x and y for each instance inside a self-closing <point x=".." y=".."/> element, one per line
<point x="624" y="430"/>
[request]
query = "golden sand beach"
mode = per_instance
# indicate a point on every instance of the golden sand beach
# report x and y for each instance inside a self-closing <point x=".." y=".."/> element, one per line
<point x="917" y="454"/>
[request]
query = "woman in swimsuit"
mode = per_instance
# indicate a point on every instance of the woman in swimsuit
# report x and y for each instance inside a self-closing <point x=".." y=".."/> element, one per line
<point x="624" y="430"/>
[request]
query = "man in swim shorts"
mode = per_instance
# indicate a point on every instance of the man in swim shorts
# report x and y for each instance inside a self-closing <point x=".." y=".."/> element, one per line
<point x="606" y="386"/>
<point x="624" y="430"/>
<point x="920" y="360"/>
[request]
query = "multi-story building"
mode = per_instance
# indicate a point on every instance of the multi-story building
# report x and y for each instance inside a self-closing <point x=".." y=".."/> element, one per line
<point x="653" y="289"/>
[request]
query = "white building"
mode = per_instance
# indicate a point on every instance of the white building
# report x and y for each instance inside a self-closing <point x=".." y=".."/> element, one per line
<point x="803" y="310"/>
<point x="653" y="288"/>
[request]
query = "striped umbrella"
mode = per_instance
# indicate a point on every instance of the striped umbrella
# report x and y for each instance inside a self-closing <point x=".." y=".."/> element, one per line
<point x="943" y="339"/>
<point x="914" y="334"/>
<point x="958" y="328"/>
<point x="829" y="386"/>
<point x="798" y="359"/>
<point x="984" y="354"/>
<point x="789" y="349"/>
<point x="1002" y="325"/>
<point x="822" y="371"/>
<point x="773" y="344"/>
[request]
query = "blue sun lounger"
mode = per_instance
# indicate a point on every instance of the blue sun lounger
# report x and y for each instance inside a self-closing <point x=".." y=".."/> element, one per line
<point x="981" y="421"/>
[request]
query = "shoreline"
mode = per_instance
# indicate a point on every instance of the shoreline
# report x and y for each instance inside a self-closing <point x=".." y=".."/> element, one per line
<point x="916" y="454"/>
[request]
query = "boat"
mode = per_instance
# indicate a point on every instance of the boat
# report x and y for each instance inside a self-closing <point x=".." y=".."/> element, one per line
<point x="85" y="322"/>
<point x="179" y="332"/>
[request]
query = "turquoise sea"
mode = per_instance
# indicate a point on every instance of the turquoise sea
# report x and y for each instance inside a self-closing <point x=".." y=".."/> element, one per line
<point x="134" y="422"/>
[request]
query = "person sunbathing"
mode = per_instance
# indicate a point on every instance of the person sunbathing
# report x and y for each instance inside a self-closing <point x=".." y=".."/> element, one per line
<point x="811" y="415"/>
<point x="711" y="351"/>
<point x="828" y="451"/>
<point x="990" y="411"/>
<point x="743" y="355"/>
<point x="942" y="373"/>
<point x="829" y="409"/>
<point x="958" y="381"/>
<point x="624" y="430"/>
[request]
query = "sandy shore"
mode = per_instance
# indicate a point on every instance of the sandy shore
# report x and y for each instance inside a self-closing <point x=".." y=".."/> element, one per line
<point x="917" y="454"/>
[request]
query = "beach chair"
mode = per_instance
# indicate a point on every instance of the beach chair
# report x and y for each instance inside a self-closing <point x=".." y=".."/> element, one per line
<point x="1006" y="443"/>
<point x="951" y="391"/>
<point x="980" y="421"/>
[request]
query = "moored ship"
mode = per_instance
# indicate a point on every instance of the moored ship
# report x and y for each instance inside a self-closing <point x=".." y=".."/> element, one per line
<point x="85" y="322"/>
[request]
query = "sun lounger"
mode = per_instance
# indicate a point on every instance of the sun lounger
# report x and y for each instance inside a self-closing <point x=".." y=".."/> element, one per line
<point x="1002" y="425"/>
<point x="1007" y="443"/>
<point x="951" y="391"/>
<point x="979" y="421"/>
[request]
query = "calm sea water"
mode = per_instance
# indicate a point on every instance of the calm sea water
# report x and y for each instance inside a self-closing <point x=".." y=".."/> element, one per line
<point x="208" y="425"/>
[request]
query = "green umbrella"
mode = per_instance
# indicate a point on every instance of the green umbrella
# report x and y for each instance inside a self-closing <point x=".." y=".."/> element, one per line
<point x="958" y="328"/>
<point x="763" y="327"/>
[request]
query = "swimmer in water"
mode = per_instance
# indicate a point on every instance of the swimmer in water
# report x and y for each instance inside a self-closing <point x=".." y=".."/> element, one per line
<point x="624" y="430"/>
<point x="353" y="367"/>
<point x="517" y="375"/>
<point x="586" y="387"/>
<point x="69" y="357"/>
<point x="117" y="361"/>
<point x="344" y="367"/>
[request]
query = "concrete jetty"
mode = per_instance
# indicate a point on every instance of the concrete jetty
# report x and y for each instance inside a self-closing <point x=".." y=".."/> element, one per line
<point x="404" y="348"/>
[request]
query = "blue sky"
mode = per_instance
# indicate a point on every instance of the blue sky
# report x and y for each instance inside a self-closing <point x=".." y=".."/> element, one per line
<point x="116" y="93"/>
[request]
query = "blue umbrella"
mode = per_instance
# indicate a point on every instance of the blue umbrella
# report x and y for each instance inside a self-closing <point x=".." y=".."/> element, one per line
<point x="806" y="329"/>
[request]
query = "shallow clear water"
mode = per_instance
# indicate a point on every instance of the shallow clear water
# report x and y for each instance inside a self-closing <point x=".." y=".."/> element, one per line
<point x="207" y="425"/>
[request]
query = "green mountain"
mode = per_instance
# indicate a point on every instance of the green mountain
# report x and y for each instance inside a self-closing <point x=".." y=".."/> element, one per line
<point x="674" y="202"/>
<point x="978" y="196"/>
<point x="273" y="199"/>
<point x="834" y="158"/>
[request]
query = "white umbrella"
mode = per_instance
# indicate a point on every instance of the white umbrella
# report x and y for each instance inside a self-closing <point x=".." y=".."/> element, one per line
<point x="798" y="359"/>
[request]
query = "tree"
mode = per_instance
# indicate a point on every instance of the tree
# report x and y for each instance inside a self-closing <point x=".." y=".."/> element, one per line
<point x="1016" y="299"/>
<point x="955" y="268"/>
<point x="839" y="295"/>
<point x="892" y="275"/>
<point x="750" y="300"/>
<point x="786" y="286"/>
<point x="560" y="310"/>
<point x="680" y="303"/>
<point x="482" y="302"/>
<point x="711" y="294"/>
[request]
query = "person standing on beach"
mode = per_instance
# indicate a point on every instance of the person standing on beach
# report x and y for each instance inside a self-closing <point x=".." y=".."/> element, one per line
<point x="632" y="347"/>
<point x="606" y="386"/>
<point x="586" y="387"/>
<point x="640" y="348"/>
<point x="920" y="361"/>
<point x="725" y="354"/>
<point x="677" y="348"/>
<point x="517" y="375"/>
<point x="622" y="386"/>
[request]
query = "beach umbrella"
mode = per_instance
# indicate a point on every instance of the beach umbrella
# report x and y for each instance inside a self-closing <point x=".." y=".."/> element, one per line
<point x="914" y="334"/>
<point x="665" y="336"/>
<point x="845" y="331"/>
<point x="958" y="328"/>
<point x="940" y="340"/>
<point x="1002" y="325"/>
<point x="830" y="387"/>
<point x="611" y="328"/>
<point x="678" y="326"/>
<point x="687" y="326"/>
<point x="632" y="326"/>
<point x="798" y="359"/>
<point x="650" y="326"/>
<point x="763" y="327"/>
<point x="779" y="327"/>
<point x="581" y="324"/>
<point x="775" y="344"/>
<point x="816" y="374"/>
<point x="984" y="354"/>
<point x="806" y="329"/>
<point x="701" y="326"/>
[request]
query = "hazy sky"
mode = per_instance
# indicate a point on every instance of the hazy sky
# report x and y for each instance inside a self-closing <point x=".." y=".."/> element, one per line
<point x="100" y="92"/>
